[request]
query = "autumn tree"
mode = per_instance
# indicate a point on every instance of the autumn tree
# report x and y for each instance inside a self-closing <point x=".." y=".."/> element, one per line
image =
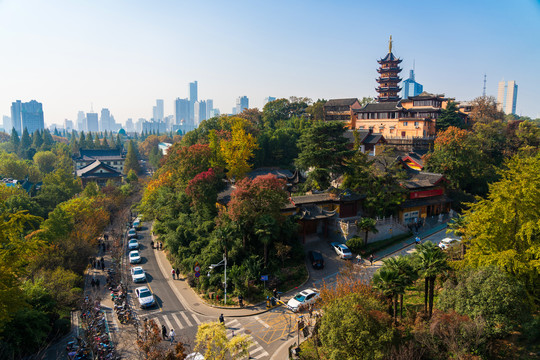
<point x="45" y="161"/>
<point x="149" y="343"/>
<point x="484" y="109"/>
<point x="238" y="151"/>
<point x="131" y="162"/>
<point x="203" y="189"/>
<point x="212" y="340"/>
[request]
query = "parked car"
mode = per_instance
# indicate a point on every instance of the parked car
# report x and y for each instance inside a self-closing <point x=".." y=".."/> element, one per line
<point x="447" y="242"/>
<point x="303" y="298"/>
<point x="145" y="297"/>
<point x="132" y="233"/>
<point x="133" y="244"/>
<point x="137" y="224"/>
<point x="138" y="274"/>
<point x="342" y="250"/>
<point x="316" y="258"/>
<point x="134" y="257"/>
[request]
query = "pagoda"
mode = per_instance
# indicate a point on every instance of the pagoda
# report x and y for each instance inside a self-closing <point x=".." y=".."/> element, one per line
<point x="389" y="79"/>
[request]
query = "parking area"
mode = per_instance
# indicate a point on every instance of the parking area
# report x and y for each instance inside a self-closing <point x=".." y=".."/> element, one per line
<point x="332" y="263"/>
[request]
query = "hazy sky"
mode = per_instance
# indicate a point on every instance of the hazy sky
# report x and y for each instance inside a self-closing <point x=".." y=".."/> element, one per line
<point x="123" y="55"/>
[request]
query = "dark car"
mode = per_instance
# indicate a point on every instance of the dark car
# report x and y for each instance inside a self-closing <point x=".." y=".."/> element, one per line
<point x="316" y="259"/>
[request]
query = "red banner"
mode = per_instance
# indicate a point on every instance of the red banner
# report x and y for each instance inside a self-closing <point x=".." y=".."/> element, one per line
<point x="426" y="193"/>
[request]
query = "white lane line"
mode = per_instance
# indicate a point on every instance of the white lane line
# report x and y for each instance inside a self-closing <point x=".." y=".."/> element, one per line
<point x="177" y="321"/>
<point x="262" y="322"/>
<point x="156" y="319"/>
<point x="186" y="318"/>
<point x="168" y="323"/>
<point x="196" y="318"/>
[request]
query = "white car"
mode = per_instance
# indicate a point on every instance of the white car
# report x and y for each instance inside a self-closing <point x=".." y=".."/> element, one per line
<point x="145" y="297"/>
<point x="132" y="233"/>
<point x="137" y="223"/>
<point x="138" y="274"/>
<point x="342" y="250"/>
<point x="134" y="257"/>
<point x="305" y="297"/>
<point x="447" y="242"/>
<point x="133" y="244"/>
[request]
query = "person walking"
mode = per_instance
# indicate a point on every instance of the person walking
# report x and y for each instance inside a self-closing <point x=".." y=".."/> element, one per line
<point x="222" y="319"/>
<point x="102" y="264"/>
<point x="97" y="284"/>
<point x="172" y="272"/>
<point x="177" y="274"/>
<point x="371" y="259"/>
<point x="93" y="283"/>
<point x="152" y="243"/>
<point x="172" y="334"/>
<point x="164" y="332"/>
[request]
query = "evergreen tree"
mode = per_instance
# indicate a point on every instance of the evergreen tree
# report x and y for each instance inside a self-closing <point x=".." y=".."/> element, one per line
<point x="74" y="145"/>
<point x="15" y="141"/>
<point x="25" y="144"/>
<point x="131" y="163"/>
<point x="56" y="132"/>
<point x="118" y="141"/>
<point x="97" y="142"/>
<point x="82" y="140"/>
<point x="89" y="141"/>
<point x="449" y="117"/>
<point x="48" y="141"/>
<point x="37" y="140"/>
<point x="105" y="144"/>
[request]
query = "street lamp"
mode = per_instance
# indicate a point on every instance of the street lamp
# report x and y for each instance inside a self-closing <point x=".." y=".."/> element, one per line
<point x="224" y="263"/>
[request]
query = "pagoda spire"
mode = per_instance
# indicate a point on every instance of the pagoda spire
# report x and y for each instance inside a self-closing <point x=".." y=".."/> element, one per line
<point x="390" y="45"/>
<point x="389" y="79"/>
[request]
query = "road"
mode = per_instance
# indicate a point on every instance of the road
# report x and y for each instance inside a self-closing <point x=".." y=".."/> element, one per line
<point x="269" y="331"/>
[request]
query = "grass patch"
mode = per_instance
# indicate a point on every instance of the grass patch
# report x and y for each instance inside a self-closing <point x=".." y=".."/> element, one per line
<point x="356" y="244"/>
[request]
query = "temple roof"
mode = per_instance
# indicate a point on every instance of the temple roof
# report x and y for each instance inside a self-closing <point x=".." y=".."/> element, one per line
<point x="411" y="203"/>
<point x="420" y="179"/>
<point x="341" y="102"/>
<point x="100" y="154"/>
<point x="385" y="106"/>
<point x="314" y="212"/>
<point x="90" y="170"/>
<point x="389" y="57"/>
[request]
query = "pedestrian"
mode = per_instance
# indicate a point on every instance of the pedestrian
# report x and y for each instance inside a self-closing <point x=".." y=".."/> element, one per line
<point x="102" y="264"/>
<point x="172" y="272"/>
<point x="177" y="274"/>
<point x="97" y="284"/>
<point x="172" y="334"/>
<point x="152" y="243"/>
<point x="222" y="319"/>
<point x="160" y="246"/>
<point x="164" y="332"/>
<point x="240" y="300"/>
<point x="93" y="283"/>
<point x="371" y="259"/>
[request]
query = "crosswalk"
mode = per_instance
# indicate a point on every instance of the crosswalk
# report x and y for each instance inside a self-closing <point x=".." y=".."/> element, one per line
<point x="177" y="320"/>
<point x="234" y="328"/>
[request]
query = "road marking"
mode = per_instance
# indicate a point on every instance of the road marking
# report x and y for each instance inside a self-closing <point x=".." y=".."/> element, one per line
<point x="196" y="318"/>
<point x="262" y="322"/>
<point x="177" y="321"/>
<point x="168" y="323"/>
<point x="186" y="318"/>
<point x="156" y="319"/>
<point x="160" y="309"/>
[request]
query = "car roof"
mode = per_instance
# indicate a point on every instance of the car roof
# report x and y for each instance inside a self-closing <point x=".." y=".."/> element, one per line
<point x="142" y="288"/>
<point x="343" y="246"/>
<point x="133" y="252"/>
<point x="137" y="268"/>
<point x="307" y="292"/>
<point x="133" y="240"/>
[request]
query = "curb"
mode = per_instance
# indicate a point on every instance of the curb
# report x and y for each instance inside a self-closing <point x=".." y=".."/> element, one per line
<point x="428" y="234"/>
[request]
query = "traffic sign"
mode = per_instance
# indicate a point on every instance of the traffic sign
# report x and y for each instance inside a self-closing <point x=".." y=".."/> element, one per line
<point x="264" y="277"/>
<point x="197" y="274"/>
<point x="197" y="268"/>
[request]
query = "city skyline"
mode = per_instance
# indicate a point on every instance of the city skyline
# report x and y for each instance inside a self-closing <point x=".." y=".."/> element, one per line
<point x="280" y="56"/>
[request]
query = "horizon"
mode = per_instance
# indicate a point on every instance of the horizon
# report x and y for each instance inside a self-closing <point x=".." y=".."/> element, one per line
<point x="125" y="55"/>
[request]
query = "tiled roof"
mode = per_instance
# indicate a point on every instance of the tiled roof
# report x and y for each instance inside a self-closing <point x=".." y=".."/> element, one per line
<point x="280" y="173"/>
<point x="381" y="106"/>
<point x="441" y="199"/>
<point x="364" y="136"/>
<point x="88" y="170"/>
<point x="341" y="102"/>
<point x="99" y="152"/>
<point x="419" y="179"/>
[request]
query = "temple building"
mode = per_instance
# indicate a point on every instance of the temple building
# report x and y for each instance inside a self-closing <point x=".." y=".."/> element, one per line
<point x="389" y="79"/>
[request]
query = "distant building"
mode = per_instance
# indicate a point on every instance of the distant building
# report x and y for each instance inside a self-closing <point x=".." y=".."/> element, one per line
<point x="105" y="120"/>
<point x="129" y="125"/>
<point x="193" y="97"/>
<point x="242" y="103"/>
<point x="157" y="127"/>
<point x="32" y="116"/>
<point x="81" y="121"/>
<point x="7" y="125"/>
<point x="411" y="87"/>
<point x="200" y="112"/>
<point x="182" y="114"/>
<point x="209" y="108"/>
<point x="68" y="125"/>
<point x="91" y="122"/>
<point x="158" y="111"/>
<point x="16" y="116"/>
<point x="342" y="110"/>
<point x="268" y="99"/>
<point x="507" y="97"/>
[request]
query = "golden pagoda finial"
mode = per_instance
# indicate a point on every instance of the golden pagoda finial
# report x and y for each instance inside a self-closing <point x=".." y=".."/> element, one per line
<point x="390" y="45"/>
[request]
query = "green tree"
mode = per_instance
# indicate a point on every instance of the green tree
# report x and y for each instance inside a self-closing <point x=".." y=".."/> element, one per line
<point x="15" y="141"/>
<point x="487" y="293"/>
<point x="449" y="117"/>
<point x="131" y="162"/>
<point x="131" y="177"/>
<point x="48" y="141"/>
<point x="82" y="141"/>
<point x="503" y="229"/>
<point x="316" y="110"/>
<point x="388" y="281"/>
<point x="431" y="262"/>
<point x="367" y="225"/>
<point x="266" y="229"/>
<point x="45" y="161"/>
<point x="355" y="327"/>
<point x="37" y="140"/>
<point x="26" y="143"/>
<point x="90" y="141"/>
<point x="406" y="274"/>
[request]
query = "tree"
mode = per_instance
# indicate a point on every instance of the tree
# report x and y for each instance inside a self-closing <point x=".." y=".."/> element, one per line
<point x="266" y="230"/>
<point x="26" y="143"/>
<point x="48" y="141"/>
<point x="503" y="229"/>
<point x="324" y="147"/>
<point x="131" y="177"/>
<point x="316" y="110"/>
<point x="484" y="109"/>
<point x="203" y="189"/>
<point x="149" y="343"/>
<point x="367" y="225"/>
<point x="431" y="262"/>
<point x="45" y="161"/>
<point x="355" y="327"/>
<point x="212" y="339"/>
<point x="388" y="281"/>
<point x="131" y="162"/>
<point x="406" y="274"/>
<point x="487" y="293"/>
<point x="37" y="140"/>
<point x="238" y="151"/>
<point x="82" y="141"/>
<point x="90" y="141"/>
<point x="15" y="141"/>
<point x="449" y="117"/>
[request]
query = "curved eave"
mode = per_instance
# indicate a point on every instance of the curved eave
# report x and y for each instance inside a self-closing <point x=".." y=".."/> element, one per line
<point x="390" y="79"/>
<point x="392" y="69"/>
<point x="384" y="61"/>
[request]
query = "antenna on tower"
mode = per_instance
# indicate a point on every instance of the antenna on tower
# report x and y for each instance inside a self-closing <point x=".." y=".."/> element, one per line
<point x="91" y="107"/>
<point x="484" y="92"/>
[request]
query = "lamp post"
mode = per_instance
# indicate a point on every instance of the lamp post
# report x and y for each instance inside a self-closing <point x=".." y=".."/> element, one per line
<point x="224" y="263"/>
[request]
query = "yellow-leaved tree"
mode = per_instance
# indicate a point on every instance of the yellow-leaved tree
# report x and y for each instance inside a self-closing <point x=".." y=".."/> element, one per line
<point x="212" y="339"/>
<point x="238" y="150"/>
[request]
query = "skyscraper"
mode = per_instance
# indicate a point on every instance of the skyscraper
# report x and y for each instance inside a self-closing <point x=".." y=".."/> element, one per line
<point x="16" y="117"/>
<point x="209" y="108"/>
<point x="200" y="112"/>
<point x="7" y="124"/>
<point x="193" y="97"/>
<point x="182" y="113"/>
<point x="68" y="125"/>
<point x="32" y="116"/>
<point x="105" y="120"/>
<point x="81" y="120"/>
<point x="242" y="103"/>
<point x="411" y="87"/>
<point x="269" y="99"/>
<point x="129" y="125"/>
<point x="158" y="110"/>
<point x="507" y="97"/>
<point x="91" y="123"/>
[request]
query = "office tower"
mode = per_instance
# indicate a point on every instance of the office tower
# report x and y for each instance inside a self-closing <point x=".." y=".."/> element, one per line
<point x="16" y="117"/>
<point x="268" y="99"/>
<point x="242" y="103"/>
<point x="32" y="116"/>
<point x="209" y="108"/>
<point x="507" y="97"/>
<point x="91" y="123"/>
<point x="411" y="87"/>
<point x="139" y="125"/>
<point x="200" y="112"/>
<point x="157" y="111"/>
<point x="193" y="97"/>
<point x="105" y="120"/>
<point x="68" y="125"/>
<point x="129" y="125"/>
<point x="182" y="113"/>
<point x="81" y="120"/>
<point x="7" y="124"/>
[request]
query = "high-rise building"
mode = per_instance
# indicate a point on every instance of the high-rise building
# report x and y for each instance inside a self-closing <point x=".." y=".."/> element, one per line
<point x="91" y="122"/>
<point x="32" y="116"/>
<point x="209" y="108"/>
<point x="193" y="97"/>
<point x="16" y="116"/>
<point x="242" y="103"/>
<point x="182" y="114"/>
<point x="269" y="99"/>
<point x="6" y="124"/>
<point x="507" y="97"/>
<point x="158" y="110"/>
<point x="389" y="79"/>
<point x="105" y="120"/>
<point x="200" y="112"/>
<point x="411" y="87"/>
<point x="81" y="120"/>
<point x="68" y="125"/>
<point x="129" y="125"/>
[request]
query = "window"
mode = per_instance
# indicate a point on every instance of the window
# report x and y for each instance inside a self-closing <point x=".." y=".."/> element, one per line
<point x="416" y="123"/>
<point x="405" y="123"/>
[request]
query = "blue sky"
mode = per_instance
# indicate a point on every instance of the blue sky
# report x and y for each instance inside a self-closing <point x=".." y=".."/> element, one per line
<point x="125" y="54"/>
